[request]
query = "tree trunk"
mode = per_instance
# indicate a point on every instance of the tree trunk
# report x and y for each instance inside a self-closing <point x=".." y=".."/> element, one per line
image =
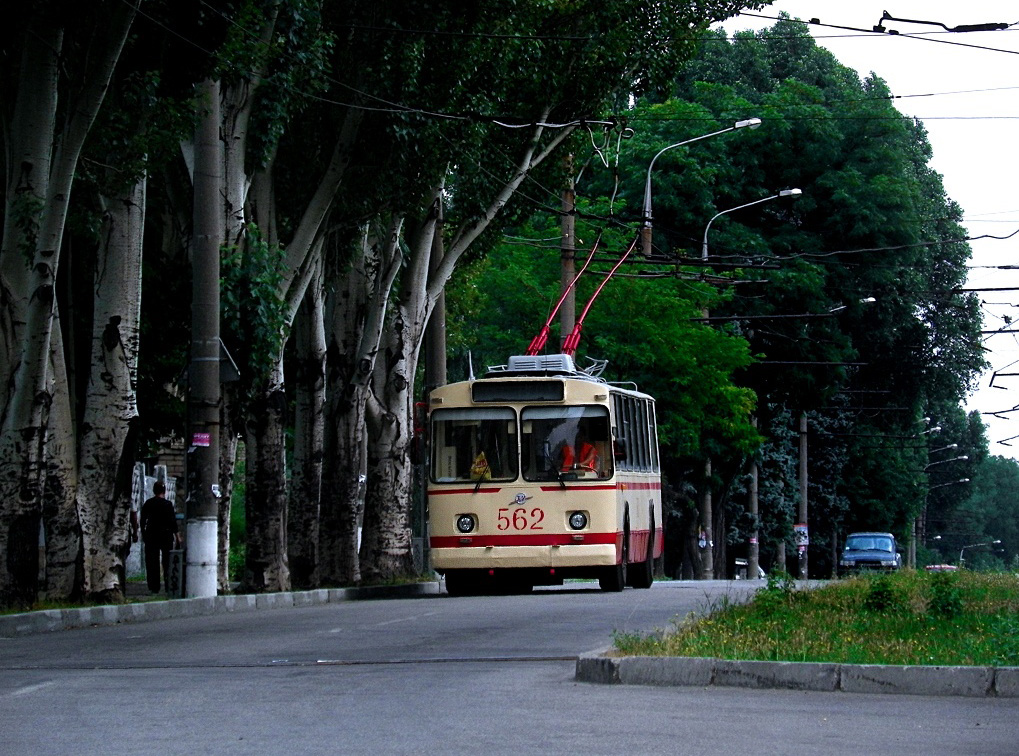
<point x="309" y="400"/>
<point x="356" y="318"/>
<point x="228" y="440"/>
<point x="40" y="173"/>
<point x="111" y="408"/>
<point x="265" y="565"/>
<point x="386" y="548"/>
<point x="63" y="576"/>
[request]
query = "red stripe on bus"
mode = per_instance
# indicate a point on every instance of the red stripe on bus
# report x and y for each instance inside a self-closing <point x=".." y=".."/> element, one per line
<point x="550" y="539"/>
<point x="609" y="487"/>
<point x="443" y="492"/>
<point x="569" y="487"/>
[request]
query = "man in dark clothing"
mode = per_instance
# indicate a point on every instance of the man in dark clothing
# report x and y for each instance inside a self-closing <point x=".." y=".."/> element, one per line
<point x="159" y="532"/>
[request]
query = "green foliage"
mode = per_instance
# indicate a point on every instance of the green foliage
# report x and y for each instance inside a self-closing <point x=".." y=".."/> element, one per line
<point x="777" y="595"/>
<point x="253" y="310"/>
<point x="238" y="522"/>
<point x="881" y="596"/>
<point x="945" y="597"/>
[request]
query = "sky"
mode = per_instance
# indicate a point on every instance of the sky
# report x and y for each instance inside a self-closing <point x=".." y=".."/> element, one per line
<point x="965" y="89"/>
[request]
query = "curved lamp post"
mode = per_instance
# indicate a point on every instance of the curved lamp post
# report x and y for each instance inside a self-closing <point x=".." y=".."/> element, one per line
<point x="975" y="545"/>
<point x="783" y="193"/>
<point x="751" y="123"/>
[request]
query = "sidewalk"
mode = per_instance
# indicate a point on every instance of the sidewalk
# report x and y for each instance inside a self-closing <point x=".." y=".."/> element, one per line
<point x="160" y="607"/>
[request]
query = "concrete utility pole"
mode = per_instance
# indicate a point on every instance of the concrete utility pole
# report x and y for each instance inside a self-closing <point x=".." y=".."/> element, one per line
<point x="435" y="376"/>
<point x="203" y="372"/>
<point x="567" y="245"/>
<point x="707" y="527"/>
<point x="804" y="536"/>
<point x="753" y="548"/>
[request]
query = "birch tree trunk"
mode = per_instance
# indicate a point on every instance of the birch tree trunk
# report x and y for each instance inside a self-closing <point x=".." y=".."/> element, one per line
<point x="111" y="408"/>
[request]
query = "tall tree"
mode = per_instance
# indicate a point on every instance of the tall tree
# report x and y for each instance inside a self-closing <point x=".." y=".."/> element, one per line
<point x="54" y="106"/>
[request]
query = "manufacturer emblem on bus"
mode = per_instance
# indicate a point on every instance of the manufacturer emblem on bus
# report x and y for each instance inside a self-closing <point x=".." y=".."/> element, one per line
<point x="520" y="498"/>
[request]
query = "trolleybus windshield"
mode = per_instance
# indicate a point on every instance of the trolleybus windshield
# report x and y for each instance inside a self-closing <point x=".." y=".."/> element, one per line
<point x="565" y="442"/>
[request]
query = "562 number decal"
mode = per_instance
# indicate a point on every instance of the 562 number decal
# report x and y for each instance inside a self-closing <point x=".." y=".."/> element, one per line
<point x="521" y="519"/>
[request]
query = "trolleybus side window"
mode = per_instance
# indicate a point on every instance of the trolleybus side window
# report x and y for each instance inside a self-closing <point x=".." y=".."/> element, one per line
<point x="621" y="431"/>
<point x="474" y="444"/>
<point x="655" y="464"/>
<point x="565" y="443"/>
<point x="635" y="433"/>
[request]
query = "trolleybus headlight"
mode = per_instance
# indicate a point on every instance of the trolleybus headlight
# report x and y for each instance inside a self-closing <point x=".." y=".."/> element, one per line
<point x="465" y="523"/>
<point x="578" y="520"/>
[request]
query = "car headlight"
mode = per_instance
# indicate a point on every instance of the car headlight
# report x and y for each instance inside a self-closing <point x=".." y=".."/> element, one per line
<point x="465" y="523"/>
<point x="888" y="562"/>
<point x="578" y="520"/>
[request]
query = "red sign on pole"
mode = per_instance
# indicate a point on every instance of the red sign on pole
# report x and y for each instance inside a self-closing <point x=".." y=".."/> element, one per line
<point x="201" y="439"/>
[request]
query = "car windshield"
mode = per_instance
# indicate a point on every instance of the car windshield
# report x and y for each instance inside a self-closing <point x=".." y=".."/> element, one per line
<point x="869" y="543"/>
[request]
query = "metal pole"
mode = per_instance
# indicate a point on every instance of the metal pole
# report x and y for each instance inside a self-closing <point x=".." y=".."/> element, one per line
<point x="203" y="373"/>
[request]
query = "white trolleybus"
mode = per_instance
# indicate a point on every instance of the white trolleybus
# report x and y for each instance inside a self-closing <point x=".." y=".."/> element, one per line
<point x="541" y="472"/>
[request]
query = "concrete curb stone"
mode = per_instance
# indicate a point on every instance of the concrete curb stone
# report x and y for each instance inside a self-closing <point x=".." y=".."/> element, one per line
<point x="1006" y="682"/>
<point x="53" y="620"/>
<point x="1002" y="682"/>
<point x="931" y="681"/>
<point x="764" y="674"/>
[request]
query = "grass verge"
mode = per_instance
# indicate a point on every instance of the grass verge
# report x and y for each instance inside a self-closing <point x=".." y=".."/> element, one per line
<point x="963" y="618"/>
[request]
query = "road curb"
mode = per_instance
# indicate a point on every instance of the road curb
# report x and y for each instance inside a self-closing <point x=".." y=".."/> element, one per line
<point x="678" y="671"/>
<point x="53" y="620"/>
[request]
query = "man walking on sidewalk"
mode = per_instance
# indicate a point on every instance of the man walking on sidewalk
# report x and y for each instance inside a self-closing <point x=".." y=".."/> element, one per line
<point x="160" y="534"/>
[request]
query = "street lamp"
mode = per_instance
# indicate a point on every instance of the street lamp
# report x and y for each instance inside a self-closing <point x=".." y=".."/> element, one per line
<point x="751" y="123"/>
<point x="949" y="483"/>
<point x="943" y="461"/>
<point x="975" y="545"/>
<point x="783" y="193"/>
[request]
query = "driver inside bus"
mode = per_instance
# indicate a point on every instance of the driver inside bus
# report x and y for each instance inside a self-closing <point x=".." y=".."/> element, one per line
<point x="586" y="461"/>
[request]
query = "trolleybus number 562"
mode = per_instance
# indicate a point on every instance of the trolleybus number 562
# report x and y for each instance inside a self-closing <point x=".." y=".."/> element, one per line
<point x="521" y="519"/>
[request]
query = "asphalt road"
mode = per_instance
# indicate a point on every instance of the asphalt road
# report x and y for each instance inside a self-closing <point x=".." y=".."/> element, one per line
<point x="491" y="675"/>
